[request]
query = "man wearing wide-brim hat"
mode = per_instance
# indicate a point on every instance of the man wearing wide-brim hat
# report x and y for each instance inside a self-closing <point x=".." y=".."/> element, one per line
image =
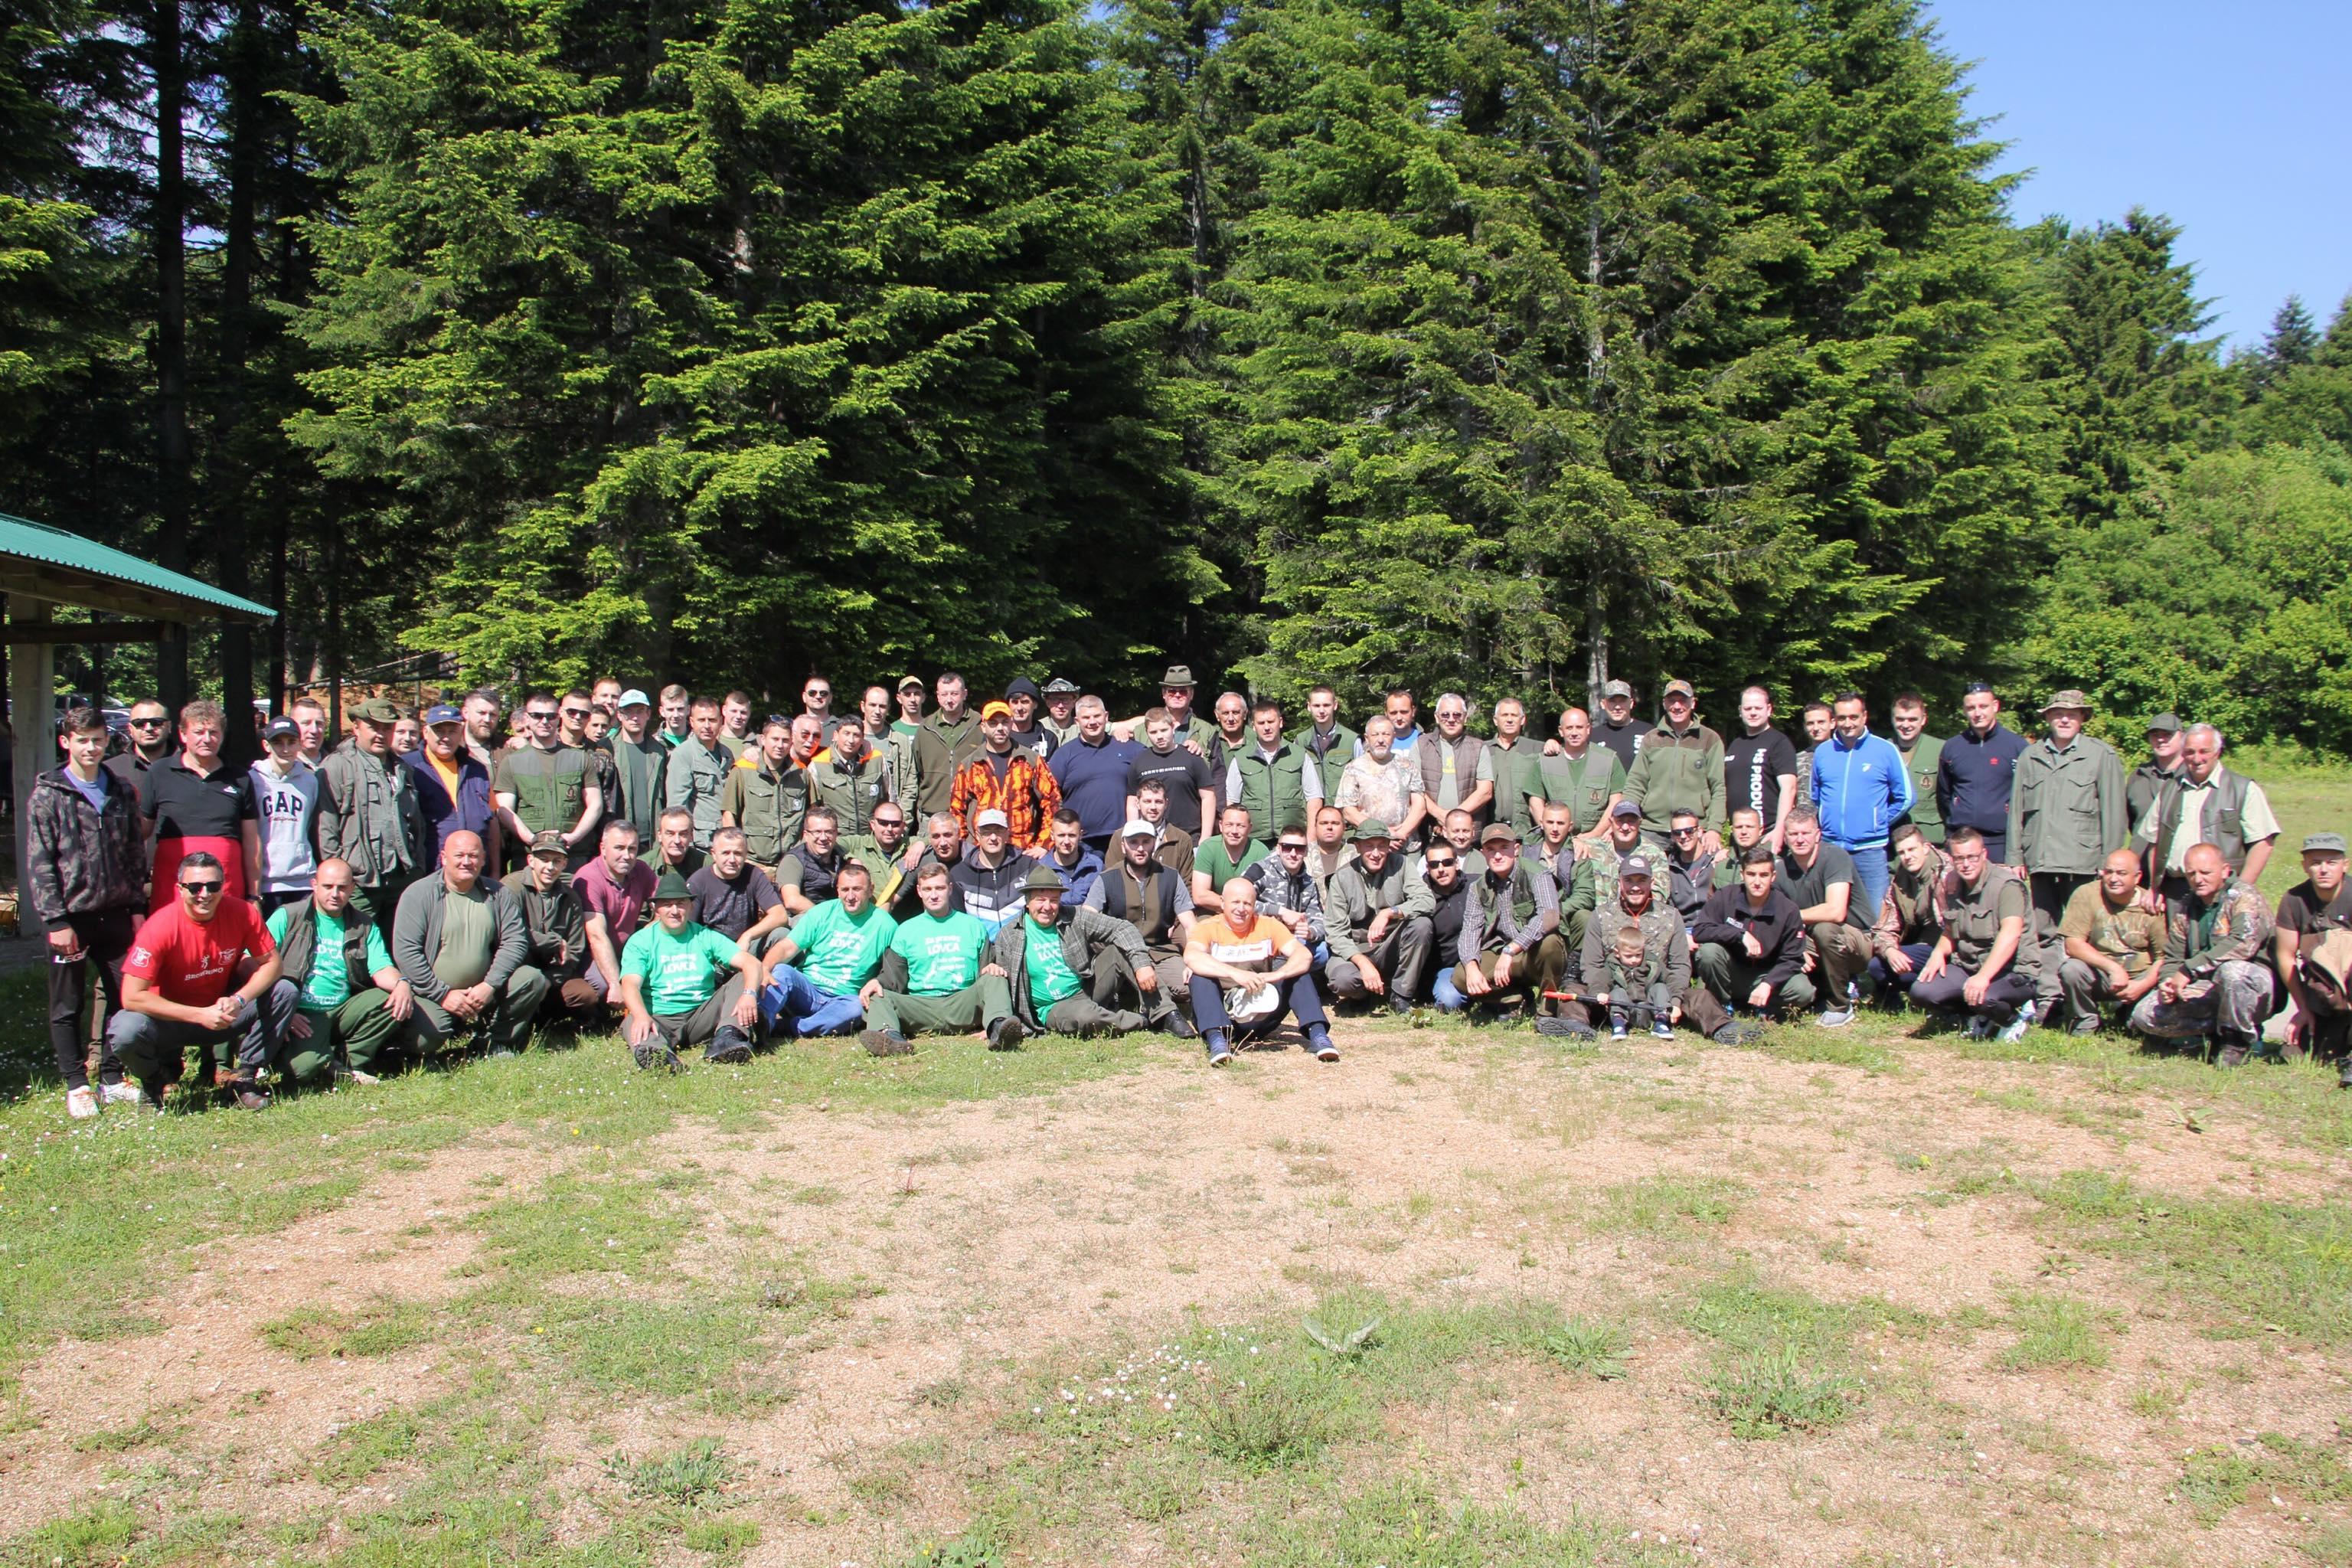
<point x="670" y="986"/>
<point x="2068" y="810"/>
<point x="1070" y="967"/>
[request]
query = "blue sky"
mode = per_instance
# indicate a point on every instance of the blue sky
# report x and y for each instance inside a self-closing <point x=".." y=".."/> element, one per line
<point x="2232" y="118"/>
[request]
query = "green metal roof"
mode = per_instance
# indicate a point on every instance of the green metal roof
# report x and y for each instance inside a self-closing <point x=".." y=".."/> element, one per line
<point x="69" y="569"/>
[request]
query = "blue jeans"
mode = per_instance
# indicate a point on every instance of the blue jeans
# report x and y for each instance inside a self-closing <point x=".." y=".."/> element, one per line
<point x="1885" y="979"/>
<point x="1869" y="879"/>
<point x="1444" y="993"/>
<point x="794" y="1004"/>
<point x="1299" y="996"/>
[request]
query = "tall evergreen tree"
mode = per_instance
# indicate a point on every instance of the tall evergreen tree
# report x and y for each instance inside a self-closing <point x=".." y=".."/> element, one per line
<point x="1674" y="337"/>
<point x="716" y="338"/>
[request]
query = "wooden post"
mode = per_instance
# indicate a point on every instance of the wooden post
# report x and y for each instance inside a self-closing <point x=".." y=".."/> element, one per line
<point x="32" y="703"/>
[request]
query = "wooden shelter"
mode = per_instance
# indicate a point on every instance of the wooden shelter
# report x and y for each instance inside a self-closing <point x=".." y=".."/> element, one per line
<point x="42" y="568"/>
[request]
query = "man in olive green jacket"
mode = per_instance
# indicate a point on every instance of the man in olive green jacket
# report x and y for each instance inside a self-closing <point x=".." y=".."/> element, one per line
<point x="2068" y="810"/>
<point x="1679" y="768"/>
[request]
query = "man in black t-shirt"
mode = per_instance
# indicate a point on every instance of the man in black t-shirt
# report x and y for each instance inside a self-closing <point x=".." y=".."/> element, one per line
<point x="1617" y="728"/>
<point x="2314" y="922"/>
<point x="1184" y="774"/>
<point x="735" y="898"/>
<point x="1819" y="878"/>
<point x="1759" y="766"/>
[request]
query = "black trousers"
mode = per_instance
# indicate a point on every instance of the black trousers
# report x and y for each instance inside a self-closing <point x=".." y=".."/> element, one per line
<point x="106" y="938"/>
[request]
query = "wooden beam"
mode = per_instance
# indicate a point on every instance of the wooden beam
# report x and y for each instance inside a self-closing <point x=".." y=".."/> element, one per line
<point x="60" y="585"/>
<point x="85" y="634"/>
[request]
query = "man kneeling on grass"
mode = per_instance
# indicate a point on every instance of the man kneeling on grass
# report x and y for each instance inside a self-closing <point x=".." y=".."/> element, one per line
<point x="934" y="979"/>
<point x="670" y="989"/>
<point x="1248" y="971"/>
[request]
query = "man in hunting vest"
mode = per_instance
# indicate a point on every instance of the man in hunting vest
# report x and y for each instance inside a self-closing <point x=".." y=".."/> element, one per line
<point x="2205" y="803"/>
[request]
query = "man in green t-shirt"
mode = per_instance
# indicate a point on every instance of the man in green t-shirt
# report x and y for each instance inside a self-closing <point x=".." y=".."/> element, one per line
<point x="1218" y="861"/>
<point x="824" y="959"/>
<point x="670" y="989"/>
<point x="349" y="1000"/>
<point x="934" y="979"/>
<point x="1069" y="967"/>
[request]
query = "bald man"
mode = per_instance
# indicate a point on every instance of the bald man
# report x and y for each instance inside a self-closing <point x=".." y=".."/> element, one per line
<point x="2216" y="983"/>
<point x="460" y="942"/>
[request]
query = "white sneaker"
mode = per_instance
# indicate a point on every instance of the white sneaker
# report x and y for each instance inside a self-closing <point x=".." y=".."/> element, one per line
<point x="81" y="1104"/>
<point x="121" y="1091"/>
<point x="1837" y="1017"/>
<point x="2014" y="1030"/>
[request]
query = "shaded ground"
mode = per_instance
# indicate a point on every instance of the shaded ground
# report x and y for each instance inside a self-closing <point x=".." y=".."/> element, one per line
<point x="1910" y="1305"/>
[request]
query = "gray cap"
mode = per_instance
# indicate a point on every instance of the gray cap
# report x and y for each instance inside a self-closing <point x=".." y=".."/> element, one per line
<point x="992" y="818"/>
<point x="1633" y="866"/>
<point x="2323" y="844"/>
<point x="1616" y="689"/>
<point x="1061" y="685"/>
<point x="1624" y="809"/>
<point x="2165" y="724"/>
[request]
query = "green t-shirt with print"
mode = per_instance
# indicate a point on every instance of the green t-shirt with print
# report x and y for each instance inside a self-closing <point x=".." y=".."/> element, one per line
<point x="840" y="952"/>
<point x="1051" y="978"/>
<point x="942" y="951"/>
<point x="677" y="971"/>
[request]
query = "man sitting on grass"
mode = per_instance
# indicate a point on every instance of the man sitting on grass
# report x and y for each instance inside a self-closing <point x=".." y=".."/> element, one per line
<point x="670" y="989"/>
<point x="825" y="957"/>
<point x="1981" y="964"/>
<point x="1248" y="971"/>
<point x="933" y="979"/>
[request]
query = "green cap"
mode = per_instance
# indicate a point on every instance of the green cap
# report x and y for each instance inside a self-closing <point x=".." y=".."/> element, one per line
<point x="1041" y="880"/>
<point x="381" y="711"/>
<point x="671" y="886"/>
<point x="2323" y="844"/>
<point x="1371" y="827"/>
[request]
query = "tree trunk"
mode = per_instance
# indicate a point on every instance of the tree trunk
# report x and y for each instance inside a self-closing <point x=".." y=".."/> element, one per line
<point x="167" y="59"/>
<point x="235" y="482"/>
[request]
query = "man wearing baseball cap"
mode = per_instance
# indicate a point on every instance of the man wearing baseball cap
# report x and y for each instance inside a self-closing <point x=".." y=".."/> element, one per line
<point x="1617" y="728"/>
<point x="2314" y="954"/>
<point x="1679" y="768"/>
<point x="2161" y="768"/>
<point x="286" y="800"/>
<point x="370" y="817"/>
<point x="641" y="758"/>
<point x="989" y="875"/>
<point x="2068" y="810"/>
<point x="1005" y="778"/>
<point x="453" y="786"/>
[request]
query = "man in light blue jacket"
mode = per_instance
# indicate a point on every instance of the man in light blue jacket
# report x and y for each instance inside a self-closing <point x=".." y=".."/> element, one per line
<point x="1860" y="786"/>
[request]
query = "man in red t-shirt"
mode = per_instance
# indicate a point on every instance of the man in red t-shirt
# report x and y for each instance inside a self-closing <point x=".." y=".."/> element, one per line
<point x="205" y="971"/>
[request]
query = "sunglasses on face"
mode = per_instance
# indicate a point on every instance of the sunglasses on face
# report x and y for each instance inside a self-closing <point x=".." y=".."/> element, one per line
<point x="546" y="718"/>
<point x="1437" y="865"/>
<point x="200" y="889"/>
<point x="1684" y="832"/>
<point x="575" y="713"/>
<point x="147" y="723"/>
<point x="1292" y="848"/>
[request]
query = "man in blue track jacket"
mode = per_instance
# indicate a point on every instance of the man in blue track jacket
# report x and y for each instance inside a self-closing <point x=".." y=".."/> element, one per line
<point x="1860" y="786"/>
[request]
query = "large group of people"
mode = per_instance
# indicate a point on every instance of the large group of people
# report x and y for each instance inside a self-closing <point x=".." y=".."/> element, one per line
<point x="603" y="860"/>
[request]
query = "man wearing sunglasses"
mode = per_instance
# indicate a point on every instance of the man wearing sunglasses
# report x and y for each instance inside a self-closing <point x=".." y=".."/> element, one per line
<point x="1441" y="868"/>
<point x="203" y="971"/>
<point x="150" y="742"/>
<point x="547" y="786"/>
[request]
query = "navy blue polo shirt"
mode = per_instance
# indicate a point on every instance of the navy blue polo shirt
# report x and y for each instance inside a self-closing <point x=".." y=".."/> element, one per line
<point x="1094" y="782"/>
<point x="1972" y="780"/>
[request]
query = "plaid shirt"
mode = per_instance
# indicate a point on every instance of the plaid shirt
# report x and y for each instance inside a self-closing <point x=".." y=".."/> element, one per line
<point x="1027" y="793"/>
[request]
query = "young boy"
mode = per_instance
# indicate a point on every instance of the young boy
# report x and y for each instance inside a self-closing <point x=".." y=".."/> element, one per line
<point x="1637" y="984"/>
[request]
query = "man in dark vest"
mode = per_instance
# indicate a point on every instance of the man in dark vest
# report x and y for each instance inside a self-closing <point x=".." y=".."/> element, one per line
<point x="2205" y="803"/>
<point x="348" y="999"/>
<point x="1156" y="901"/>
<point x="1456" y="774"/>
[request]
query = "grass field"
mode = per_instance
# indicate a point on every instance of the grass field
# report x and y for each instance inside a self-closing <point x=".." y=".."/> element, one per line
<point x="1467" y="1298"/>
